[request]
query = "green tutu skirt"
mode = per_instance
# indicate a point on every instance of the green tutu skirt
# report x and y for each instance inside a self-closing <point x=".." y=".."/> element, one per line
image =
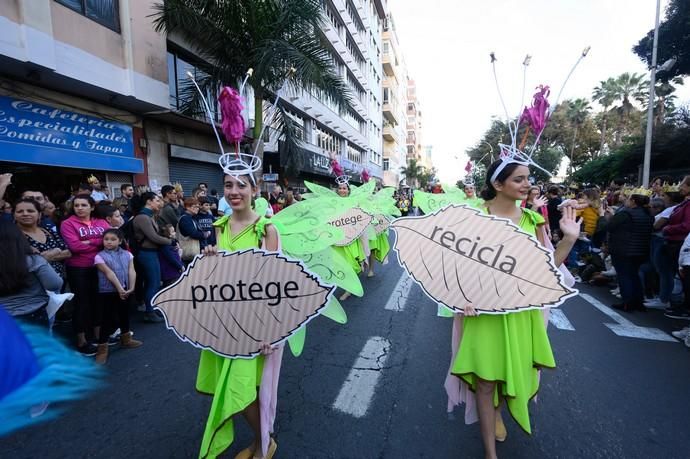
<point x="380" y="246"/>
<point x="507" y="349"/>
<point x="353" y="253"/>
<point x="233" y="383"/>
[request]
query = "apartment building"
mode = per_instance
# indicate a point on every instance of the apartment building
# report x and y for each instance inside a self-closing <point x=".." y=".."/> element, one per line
<point x="414" y="125"/>
<point x="352" y="31"/>
<point x="394" y="106"/>
<point x="97" y="91"/>
<point x="94" y="90"/>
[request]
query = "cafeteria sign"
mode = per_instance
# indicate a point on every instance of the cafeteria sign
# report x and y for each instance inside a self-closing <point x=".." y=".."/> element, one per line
<point x="39" y="134"/>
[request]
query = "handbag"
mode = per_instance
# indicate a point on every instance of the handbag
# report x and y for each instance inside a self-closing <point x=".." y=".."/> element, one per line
<point x="190" y="247"/>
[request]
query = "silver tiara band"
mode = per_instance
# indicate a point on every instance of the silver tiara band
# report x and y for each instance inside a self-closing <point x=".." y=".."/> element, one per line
<point x="342" y="180"/>
<point x="237" y="165"/>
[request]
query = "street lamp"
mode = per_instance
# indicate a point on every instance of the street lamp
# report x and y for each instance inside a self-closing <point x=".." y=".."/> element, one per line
<point x="650" y="108"/>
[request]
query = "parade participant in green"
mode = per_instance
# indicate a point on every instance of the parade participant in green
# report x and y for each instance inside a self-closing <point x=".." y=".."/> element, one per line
<point x="240" y="386"/>
<point x="499" y="355"/>
<point x="357" y="252"/>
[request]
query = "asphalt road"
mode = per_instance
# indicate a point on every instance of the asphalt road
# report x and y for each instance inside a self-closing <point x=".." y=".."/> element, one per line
<point x="611" y="396"/>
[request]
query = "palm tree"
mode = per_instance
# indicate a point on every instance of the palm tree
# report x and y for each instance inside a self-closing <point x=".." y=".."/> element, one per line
<point x="271" y="37"/>
<point x="665" y="98"/>
<point x="605" y="94"/>
<point x="577" y="111"/>
<point x="628" y="86"/>
<point x="412" y="171"/>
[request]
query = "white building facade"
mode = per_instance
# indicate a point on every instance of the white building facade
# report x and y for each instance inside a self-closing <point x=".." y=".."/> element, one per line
<point x="352" y="29"/>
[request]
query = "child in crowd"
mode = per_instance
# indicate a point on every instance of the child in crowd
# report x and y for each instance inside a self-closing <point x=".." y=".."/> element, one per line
<point x="170" y="257"/>
<point x="111" y="214"/>
<point x="204" y="220"/>
<point x="116" y="280"/>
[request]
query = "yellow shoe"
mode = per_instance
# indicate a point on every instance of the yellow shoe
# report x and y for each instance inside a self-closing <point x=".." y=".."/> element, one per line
<point x="501" y="432"/>
<point x="246" y="453"/>
<point x="272" y="447"/>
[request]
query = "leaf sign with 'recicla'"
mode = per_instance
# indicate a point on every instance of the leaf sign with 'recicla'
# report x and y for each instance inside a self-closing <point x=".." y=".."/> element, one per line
<point x="460" y="256"/>
<point x="233" y="303"/>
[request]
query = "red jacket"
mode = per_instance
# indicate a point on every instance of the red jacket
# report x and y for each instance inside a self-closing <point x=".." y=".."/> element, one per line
<point x="678" y="225"/>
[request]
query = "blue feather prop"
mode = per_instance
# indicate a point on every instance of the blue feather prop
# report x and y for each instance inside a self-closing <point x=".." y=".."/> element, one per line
<point x="63" y="375"/>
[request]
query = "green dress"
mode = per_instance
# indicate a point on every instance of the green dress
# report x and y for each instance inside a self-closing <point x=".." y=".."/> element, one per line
<point x="353" y="253"/>
<point x="508" y="349"/>
<point x="233" y="383"/>
<point x="380" y="246"/>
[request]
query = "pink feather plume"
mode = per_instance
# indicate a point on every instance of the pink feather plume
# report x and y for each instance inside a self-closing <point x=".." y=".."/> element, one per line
<point x="231" y="108"/>
<point x="365" y="176"/>
<point x="537" y="115"/>
<point x="337" y="168"/>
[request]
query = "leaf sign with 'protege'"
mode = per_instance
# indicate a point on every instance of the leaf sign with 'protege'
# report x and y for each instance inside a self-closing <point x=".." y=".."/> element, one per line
<point x="353" y="223"/>
<point x="233" y="302"/>
<point x="382" y="224"/>
<point x="460" y="256"/>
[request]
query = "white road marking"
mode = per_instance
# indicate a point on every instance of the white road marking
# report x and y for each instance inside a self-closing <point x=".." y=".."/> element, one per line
<point x="398" y="298"/>
<point x="358" y="389"/>
<point x="559" y="320"/>
<point x="623" y="327"/>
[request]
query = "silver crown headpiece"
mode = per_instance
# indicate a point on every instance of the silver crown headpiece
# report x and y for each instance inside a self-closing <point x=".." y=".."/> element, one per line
<point x="511" y="154"/>
<point x="238" y="165"/>
<point x="342" y="180"/>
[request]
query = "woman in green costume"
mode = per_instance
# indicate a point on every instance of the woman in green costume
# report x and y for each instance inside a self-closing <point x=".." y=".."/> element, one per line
<point x="357" y="252"/>
<point x="499" y="355"/>
<point x="241" y="386"/>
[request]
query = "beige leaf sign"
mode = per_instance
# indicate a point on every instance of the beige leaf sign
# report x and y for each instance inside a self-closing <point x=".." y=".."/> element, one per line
<point x="382" y="223"/>
<point x="234" y="302"/>
<point x="459" y="255"/>
<point x="353" y="223"/>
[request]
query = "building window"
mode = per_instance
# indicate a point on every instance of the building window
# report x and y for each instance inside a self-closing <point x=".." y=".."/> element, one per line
<point x="179" y="85"/>
<point x="386" y="164"/>
<point x="104" y="12"/>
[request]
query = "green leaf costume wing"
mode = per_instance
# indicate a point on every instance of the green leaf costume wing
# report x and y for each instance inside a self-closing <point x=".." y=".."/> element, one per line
<point x="296" y="341"/>
<point x="306" y="235"/>
<point x="318" y="190"/>
<point x="261" y="206"/>
<point x="430" y="202"/>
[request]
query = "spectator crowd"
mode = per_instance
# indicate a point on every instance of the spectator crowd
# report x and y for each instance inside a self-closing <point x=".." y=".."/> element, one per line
<point x="115" y="255"/>
<point x="634" y="239"/>
<point x="112" y="255"/>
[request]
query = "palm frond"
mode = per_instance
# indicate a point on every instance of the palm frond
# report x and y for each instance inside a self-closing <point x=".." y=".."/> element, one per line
<point x="213" y="30"/>
<point x="289" y="135"/>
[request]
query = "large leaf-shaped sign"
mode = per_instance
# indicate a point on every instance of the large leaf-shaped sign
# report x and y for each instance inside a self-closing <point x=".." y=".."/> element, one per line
<point x="382" y="223"/>
<point x="353" y="223"/>
<point x="234" y="302"/>
<point x="460" y="256"/>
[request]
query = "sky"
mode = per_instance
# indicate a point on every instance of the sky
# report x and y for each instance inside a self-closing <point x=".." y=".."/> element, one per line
<point x="446" y="45"/>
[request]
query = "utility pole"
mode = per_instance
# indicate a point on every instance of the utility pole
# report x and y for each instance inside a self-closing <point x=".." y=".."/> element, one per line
<point x="650" y="108"/>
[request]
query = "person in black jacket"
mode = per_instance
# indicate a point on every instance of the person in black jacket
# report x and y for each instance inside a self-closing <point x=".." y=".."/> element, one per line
<point x="629" y="236"/>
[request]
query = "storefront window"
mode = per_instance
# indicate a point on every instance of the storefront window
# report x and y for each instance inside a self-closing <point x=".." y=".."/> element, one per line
<point x="105" y="12"/>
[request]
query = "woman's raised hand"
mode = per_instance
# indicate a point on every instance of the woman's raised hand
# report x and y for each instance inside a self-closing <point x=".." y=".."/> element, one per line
<point x="539" y="202"/>
<point x="569" y="224"/>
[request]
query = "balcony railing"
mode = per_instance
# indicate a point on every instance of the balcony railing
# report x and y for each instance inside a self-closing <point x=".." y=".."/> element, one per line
<point x="390" y="111"/>
<point x="389" y="133"/>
